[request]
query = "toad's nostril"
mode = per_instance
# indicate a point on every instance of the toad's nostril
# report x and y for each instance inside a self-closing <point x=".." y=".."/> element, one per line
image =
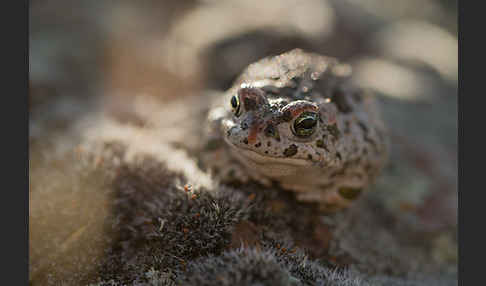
<point x="244" y="125"/>
<point x="270" y="130"/>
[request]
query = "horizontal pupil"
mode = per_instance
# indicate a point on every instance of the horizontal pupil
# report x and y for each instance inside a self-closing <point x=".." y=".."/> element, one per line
<point x="307" y="123"/>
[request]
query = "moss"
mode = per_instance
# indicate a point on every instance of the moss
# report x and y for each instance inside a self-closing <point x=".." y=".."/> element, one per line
<point x="266" y="266"/>
<point x="161" y="226"/>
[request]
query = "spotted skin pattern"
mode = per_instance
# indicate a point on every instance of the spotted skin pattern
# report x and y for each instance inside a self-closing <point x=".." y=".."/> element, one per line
<point x="297" y="120"/>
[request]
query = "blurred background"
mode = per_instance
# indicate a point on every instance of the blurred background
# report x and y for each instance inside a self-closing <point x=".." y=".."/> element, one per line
<point x="102" y="56"/>
<point x="405" y="49"/>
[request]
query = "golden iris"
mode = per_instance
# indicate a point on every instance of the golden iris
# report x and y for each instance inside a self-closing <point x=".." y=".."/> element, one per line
<point x="305" y="124"/>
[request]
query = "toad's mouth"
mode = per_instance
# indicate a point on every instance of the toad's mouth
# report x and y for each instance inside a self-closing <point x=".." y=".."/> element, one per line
<point x="257" y="158"/>
<point x="245" y="154"/>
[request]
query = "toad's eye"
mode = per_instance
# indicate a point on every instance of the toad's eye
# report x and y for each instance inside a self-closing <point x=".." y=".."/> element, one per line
<point x="235" y="105"/>
<point x="305" y="124"/>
